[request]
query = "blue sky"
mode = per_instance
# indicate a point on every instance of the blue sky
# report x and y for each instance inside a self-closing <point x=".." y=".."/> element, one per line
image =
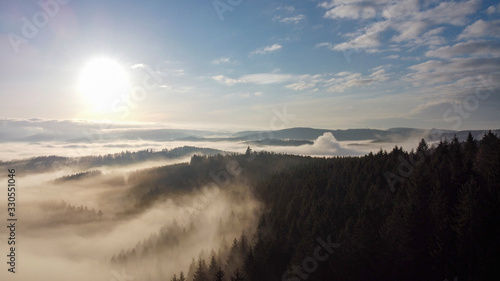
<point x="232" y="64"/>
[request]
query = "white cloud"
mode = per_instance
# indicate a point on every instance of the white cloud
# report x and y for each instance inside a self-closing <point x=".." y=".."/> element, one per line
<point x="409" y="19"/>
<point x="138" y="65"/>
<point x="481" y="28"/>
<point x="392" y="57"/>
<point x="368" y="40"/>
<point x="450" y="12"/>
<point x="266" y="50"/>
<point x="289" y="20"/>
<point x="256" y="78"/>
<point x="324" y="145"/>
<point x="346" y="80"/>
<point x="299" y="86"/>
<point x="266" y="78"/>
<point x="350" y="12"/>
<point x="338" y="82"/>
<point x="226" y="80"/>
<point x="343" y="73"/>
<point x="289" y="9"/>
<point x="223" y="60"/>
<point x="493" y="9"/>
<point x="325" y="44"/>
<point x="467" y="49"/>
<point x="409" y="30"/>
<point x="455" y="78"/>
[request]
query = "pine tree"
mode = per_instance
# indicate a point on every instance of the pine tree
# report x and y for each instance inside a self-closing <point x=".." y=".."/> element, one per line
<point x="174" y="278"/>
<point x="212" y="268"/>
<point x="467" y="224"/>
<point x="243" y="245"/>
<point x="200" y="274"/>
<point x="248" y="152"/>
<point x="234" y="257"/>
<point x="181" y="276"/>
<point x="237" y="276"/>
<point x="470" y="151"/>
<point x="192" y="269"/>
<point x="219" y="275"/>
<point x="422" y="146"/>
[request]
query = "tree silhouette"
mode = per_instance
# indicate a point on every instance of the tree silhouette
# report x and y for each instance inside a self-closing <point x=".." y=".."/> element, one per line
<point x="237" y="276"/>
<point x="219" y="275"/>
<point x="181" y="276"/>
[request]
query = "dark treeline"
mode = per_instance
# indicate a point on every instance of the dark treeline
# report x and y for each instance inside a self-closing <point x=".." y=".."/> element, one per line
<point x="44" y="164"/>
<point x="128" y="157"/>
<point x="429" y="214"/>
<point x="165" y="245"/>
<point x="79" y="176"/>
<point x="149" y="185"/>
<point x="63" y="212"/>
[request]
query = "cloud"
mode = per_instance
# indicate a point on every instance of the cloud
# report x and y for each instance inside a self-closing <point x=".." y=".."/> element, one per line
<point x="223" y="60"/>
<point x="287" y="15"/>
<point x="138" y="65"/>
<point x="467" y="49"/>
<point x="289" y="20"/>
<point x="343" y="73"/>
<point x="453" y="80"/>
<point x="266" y="78"/>
<point x="346" y="80"/>
<point x="326" y="45"/>
<point x="327" y="144"/>
<point x="226" y="80"/>
<point x="434" y="72"/>
<point x="414" y="23"/>
<point x="392" y="57"/>
<point x="450" y="12"/>
<point x="266" y="50"/>
<point x="481" y="28"/>
<point x="299" y="86"/>
<point x="256" y="78"/>
<point x="352" y="11"/>
<point x="329" y="82"/>
<point x="324" y="145"/>
<point x="366" y="38"/>
<point x="493" y="9"/>
<point x="288" y="9"/>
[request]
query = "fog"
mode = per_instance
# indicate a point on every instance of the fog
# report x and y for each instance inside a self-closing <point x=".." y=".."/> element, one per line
<point x="61" y="237"/>
<point x="75" y="138"/>
<point x="103" y="227"/>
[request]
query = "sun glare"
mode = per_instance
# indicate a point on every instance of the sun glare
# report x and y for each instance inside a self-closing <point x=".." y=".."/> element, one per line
<point x="102" y="82"/>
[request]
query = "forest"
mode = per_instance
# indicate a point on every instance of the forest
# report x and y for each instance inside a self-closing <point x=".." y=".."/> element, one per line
<point x="432" y="213"/>
<point x="43" y="164"/>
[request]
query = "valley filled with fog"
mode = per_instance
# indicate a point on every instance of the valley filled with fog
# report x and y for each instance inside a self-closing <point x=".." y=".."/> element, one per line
<point x="192" y="203"/>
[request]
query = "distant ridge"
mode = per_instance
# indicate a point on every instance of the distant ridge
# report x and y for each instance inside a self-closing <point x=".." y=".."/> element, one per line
<point x="389" y="135"/>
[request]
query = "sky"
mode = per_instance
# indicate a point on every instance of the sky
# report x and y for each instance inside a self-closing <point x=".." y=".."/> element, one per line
<point x="240" y="64"/>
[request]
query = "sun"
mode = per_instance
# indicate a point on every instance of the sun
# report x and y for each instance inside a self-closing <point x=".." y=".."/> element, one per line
<point x="103" y="82"/>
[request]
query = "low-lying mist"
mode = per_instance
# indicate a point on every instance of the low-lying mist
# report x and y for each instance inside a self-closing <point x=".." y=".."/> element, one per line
<point x="96" y="229"/>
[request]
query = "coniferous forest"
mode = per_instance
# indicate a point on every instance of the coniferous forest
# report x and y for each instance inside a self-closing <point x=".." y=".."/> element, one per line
<point x="432" y="213"/>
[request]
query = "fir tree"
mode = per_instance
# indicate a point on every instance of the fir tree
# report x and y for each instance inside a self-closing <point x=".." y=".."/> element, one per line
<point x="219" y="275"/>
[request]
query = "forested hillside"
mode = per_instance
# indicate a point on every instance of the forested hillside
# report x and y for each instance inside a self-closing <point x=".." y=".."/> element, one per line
<point x="428" y="214"/>
<point x="45" y="164"/>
